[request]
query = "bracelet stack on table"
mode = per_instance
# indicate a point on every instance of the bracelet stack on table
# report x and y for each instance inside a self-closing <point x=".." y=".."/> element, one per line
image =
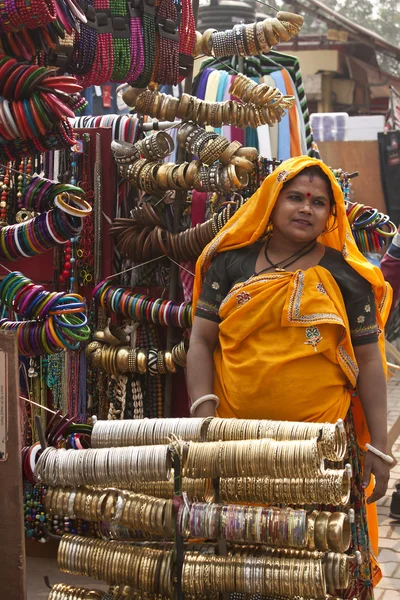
<point x="279" y="467"/>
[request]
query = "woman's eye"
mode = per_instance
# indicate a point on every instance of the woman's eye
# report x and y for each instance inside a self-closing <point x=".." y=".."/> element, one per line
<point x="294" y="197"/>
<point x="319" y="202"/>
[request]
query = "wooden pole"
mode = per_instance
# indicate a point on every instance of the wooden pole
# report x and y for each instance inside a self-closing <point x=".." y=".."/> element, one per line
<point x="12" y="533"/>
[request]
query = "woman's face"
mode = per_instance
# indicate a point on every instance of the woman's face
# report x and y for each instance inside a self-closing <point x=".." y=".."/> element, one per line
<point x="302" y="209"/>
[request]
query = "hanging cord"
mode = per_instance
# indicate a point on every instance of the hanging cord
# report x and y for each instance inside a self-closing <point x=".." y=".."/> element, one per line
<point x="97" y="210"/>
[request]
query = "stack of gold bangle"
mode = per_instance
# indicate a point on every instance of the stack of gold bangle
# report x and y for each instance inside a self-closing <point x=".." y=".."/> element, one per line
<point x="190" y="108"/>
<point x="145" y="569"/>
<point x="196" y="490"/>
<point x="248" y="91"/>
<point x="157" y="178"/>
<point x="263" y="575"/>
<point x="328" y="531"/>
<point x="61" y="591"/>
<point x="333" y="487"/>
<point x="331" y="437"/>
<point x="147" y="432"/>
<point x="125" y="592"/>
<point x="103" y="466"/>
<point x="251" y="458"/>
<point x="250" y="39"/>
<point x="153" y="147"/>
<point x="337" y="572"/>
<point x="210" y="147"/>
<point x="137" y="512"/>
<point x="123" y="359"/>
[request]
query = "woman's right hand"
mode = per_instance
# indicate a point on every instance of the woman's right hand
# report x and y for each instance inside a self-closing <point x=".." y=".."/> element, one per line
<point x="374" y="465"/>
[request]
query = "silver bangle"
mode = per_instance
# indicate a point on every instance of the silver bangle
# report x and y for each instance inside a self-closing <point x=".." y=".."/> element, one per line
<point x="386" y="457"/>
<point x="202" y="399"/>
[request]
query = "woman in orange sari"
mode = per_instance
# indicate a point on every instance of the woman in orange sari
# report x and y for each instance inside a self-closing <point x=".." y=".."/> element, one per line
<point x="288" y="325"/>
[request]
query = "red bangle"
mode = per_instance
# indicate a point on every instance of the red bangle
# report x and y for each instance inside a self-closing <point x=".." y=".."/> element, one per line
<point x="4" y="70"/>
<point x="20" y="120"/>
<point x="17" y="92"/>
<point x="11" y="80"/>
<point x="17" y="120"/>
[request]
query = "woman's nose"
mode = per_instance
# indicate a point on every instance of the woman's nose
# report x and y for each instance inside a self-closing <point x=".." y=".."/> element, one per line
<point x="306" y="207"/>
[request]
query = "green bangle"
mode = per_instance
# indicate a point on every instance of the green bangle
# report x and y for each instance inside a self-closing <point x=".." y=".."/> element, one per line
<point x="30" y="82"/>
<point x="41" y="111"/>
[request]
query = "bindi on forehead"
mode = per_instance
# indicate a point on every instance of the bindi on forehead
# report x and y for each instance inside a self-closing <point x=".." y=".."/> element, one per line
<point x="308" y="195"/>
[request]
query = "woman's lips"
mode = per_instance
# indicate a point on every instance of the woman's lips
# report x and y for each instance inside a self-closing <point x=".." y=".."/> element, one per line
<point x="302" y="222"/>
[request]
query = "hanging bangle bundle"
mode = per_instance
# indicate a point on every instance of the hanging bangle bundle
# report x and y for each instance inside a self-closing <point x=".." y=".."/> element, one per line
<point x="251" y="39"/>
<point x="145" y="244"/>
<point x="34" y="103"/>
<point x="116" y="561"/>
<point x="333" y="487"/>
<point x="39" y="234"/>
<point x="123" y="359"/>
<point x="138" y="512"/>
<point x="59" y="135"/>
<point x="39" y="193"/>
<point x="141" y="243"/>
<point x="156" y="178"/>
<point x="189" y="108"/>
<point x="371" y="228"/>
<point x="142" y="308"/>
<point x="58" y="320"/>
<point x="153" y="147"/>
<point x="103" y="466"/>
<point x="210" y="147"/>
<point x="248" y="91"/>
<point x="21" y="81"/>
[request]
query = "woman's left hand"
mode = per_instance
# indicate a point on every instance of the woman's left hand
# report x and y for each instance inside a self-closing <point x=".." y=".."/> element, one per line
<point x="374" y="465"/>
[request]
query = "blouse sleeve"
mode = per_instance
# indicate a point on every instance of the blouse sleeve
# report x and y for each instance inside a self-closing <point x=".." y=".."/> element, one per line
<point x="216" y="286"/>
<point x="361" y="310"/>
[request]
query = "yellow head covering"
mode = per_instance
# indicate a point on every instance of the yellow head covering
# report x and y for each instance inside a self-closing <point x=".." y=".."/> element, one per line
<point x="250" y="222"/>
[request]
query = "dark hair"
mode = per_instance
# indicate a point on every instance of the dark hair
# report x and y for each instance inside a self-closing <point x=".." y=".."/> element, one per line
<point x="316" y="171"/>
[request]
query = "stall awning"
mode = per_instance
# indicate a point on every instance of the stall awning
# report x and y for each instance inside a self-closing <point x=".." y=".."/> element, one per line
<point x="377" y="81"/>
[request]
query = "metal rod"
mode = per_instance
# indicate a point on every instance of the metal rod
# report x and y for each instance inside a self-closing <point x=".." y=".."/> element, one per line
<point x="179" y="545"/>
<point x="39" y="428"/>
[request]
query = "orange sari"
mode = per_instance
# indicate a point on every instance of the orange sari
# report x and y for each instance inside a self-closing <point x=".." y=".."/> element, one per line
<point x="298" y="362"/>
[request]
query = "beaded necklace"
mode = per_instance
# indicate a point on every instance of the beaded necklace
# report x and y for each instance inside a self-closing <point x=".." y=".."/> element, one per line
<point x="149" y="37"/>
<point x="120" y="40"/>
<point x="85" y="43"/>
<point x="166" y="68"/>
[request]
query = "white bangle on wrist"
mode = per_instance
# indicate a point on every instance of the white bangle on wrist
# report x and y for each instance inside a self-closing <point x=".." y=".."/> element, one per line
<point x="202" y="399"/>
<point x="386" y="457"/>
